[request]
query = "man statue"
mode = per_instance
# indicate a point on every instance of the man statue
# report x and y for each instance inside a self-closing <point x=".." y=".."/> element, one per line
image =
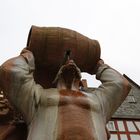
<point x="65" y="112"/>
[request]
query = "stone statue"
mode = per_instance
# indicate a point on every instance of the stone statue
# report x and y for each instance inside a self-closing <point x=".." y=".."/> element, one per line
<point x="65" y="112"/>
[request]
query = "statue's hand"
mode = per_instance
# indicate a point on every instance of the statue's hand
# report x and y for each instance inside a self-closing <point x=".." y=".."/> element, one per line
<point x="99" y="63"/>
<point x="28" y="56"/>
<point x="25" y="51"/>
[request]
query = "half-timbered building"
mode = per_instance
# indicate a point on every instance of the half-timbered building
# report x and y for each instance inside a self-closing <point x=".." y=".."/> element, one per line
<point x="125" y="123"/>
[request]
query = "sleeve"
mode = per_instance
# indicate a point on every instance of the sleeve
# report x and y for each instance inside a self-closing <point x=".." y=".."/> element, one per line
<point x="113" y="90"/>
<point x="17" y="82"/>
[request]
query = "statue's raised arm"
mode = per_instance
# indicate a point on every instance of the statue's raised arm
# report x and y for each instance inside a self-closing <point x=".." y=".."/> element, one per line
<point x="17" y="82"/>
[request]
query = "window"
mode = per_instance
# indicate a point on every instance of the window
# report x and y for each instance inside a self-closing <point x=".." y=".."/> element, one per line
<point x="123" y="137"/>
<point x="137" y="124"/>
<point x="121" y="126"/>
<point x="114" y="137"/>
<point x="111" y="126"/>
<point x="135" y="137"/>
<point x="130" y="99"/>
<point x="124" y="129"/>
<point x="131" y="126"/>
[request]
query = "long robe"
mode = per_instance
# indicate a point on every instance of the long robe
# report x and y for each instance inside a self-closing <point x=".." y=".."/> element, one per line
<point x="53" y="114"/>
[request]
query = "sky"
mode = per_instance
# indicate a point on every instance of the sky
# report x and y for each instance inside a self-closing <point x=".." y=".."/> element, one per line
<point x="114" y="23"/>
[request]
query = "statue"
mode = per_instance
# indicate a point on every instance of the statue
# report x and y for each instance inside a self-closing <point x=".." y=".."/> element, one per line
<point x="64" y="112"/>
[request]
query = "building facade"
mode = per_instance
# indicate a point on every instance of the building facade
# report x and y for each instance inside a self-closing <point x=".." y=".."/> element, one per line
<point x="125" y="123"/>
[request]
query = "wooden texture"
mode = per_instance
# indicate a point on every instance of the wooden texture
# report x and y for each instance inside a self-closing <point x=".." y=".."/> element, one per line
<point x="49" y="44"/>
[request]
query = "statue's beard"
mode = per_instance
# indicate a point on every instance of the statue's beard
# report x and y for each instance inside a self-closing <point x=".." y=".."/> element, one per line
<point x="68" y="74"/>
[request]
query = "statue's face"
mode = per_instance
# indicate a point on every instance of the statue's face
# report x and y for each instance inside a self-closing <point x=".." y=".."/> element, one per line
<point x="68" y="73"/>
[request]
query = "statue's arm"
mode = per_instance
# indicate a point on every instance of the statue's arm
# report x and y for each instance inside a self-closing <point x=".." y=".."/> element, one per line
<point x="112" y="91"/>
<point x="17" y="82"/>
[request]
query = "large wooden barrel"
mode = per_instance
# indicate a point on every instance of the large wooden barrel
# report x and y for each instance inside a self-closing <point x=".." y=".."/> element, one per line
<point x="49" y="44"/>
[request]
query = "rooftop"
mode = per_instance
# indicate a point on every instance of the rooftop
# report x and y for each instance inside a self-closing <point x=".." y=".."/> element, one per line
<point x="130" y="108"/>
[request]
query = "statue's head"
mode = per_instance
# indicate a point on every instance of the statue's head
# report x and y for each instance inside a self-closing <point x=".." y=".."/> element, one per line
<point x="69" y="74"/>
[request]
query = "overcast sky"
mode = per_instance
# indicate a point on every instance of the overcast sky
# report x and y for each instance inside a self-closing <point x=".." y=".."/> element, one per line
<point x="114" y="23"/>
